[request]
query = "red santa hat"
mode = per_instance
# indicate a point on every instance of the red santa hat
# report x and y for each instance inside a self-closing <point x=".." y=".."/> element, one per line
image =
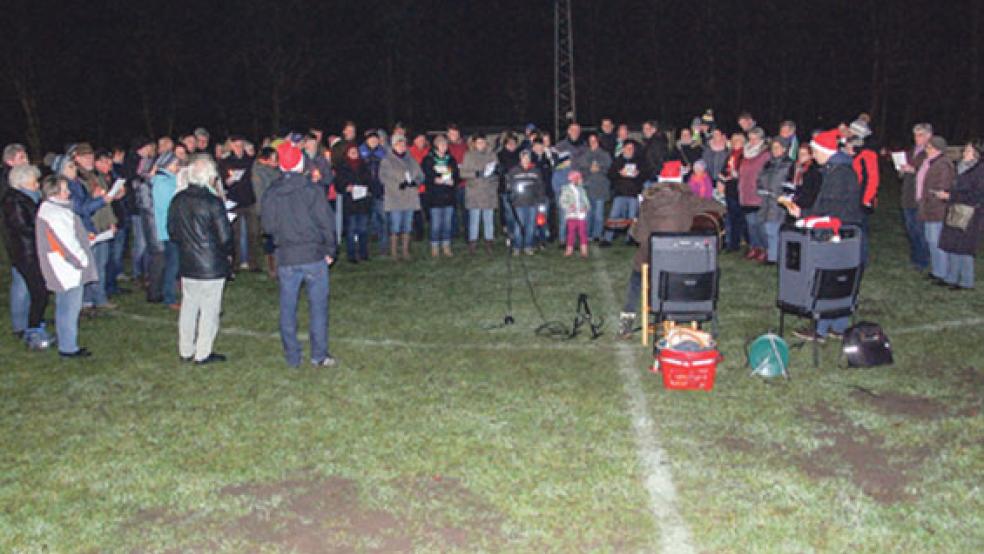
<point x="826" y="141"/>
<point x="821" y="222"/>
<point x="574" y="176"/>
<point x="672" y="172"/>
<point x="290" y="157"/>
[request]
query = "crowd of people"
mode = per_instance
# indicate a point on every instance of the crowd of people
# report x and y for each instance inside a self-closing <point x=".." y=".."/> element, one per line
<point x="188" y="214"/>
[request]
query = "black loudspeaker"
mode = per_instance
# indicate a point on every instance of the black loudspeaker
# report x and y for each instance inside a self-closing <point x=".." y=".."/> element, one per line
<point x="819" y="277"/>
<point x="683" y="275"/>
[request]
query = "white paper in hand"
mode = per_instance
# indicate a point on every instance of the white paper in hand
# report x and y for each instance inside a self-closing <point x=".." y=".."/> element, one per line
<point x="489" y="169"/>
<point x="235" y="175"/>
<point x="114" y="191"/>
<point x="230" y="205"/>
<point x="104" y="236"/>
<point x="898" y="158"/>
<point x="406" y="177"/>
<point x="358" y="192"/>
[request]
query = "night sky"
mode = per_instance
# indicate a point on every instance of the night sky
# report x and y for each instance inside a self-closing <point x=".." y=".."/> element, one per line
<point x="106" y="71"/>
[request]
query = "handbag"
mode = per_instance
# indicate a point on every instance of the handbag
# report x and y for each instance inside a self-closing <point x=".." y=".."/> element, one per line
<point x="958" y="216"/>
<point x="866" y="345"/>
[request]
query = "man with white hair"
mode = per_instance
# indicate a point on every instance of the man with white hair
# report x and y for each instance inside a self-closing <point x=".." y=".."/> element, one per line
<point x="13" y="155"/>
<point x="197" y="223"/>
<point x="914" y="229"/>
<point x="28" y="295"/>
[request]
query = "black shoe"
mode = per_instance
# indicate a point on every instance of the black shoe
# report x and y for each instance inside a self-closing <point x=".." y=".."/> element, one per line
<point x="958" y="287"/>
<point x="212" y="358"/>
<point x="19" y="335"/>
<point x="80" y="353"/>
<point x="353" y="261"/>
<point x="604" y="244"/>
<point x="187" y="360"/>
<point x="941" y="283"/>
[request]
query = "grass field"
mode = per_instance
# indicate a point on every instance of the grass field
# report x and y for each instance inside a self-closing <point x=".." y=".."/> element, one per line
<point x="437" y="434"/>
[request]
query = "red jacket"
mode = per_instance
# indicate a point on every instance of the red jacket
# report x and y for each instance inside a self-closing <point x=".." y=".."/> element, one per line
<point x="458" y="150"/>
<point x="866" y="167"/>
<point x="419" y="153"/>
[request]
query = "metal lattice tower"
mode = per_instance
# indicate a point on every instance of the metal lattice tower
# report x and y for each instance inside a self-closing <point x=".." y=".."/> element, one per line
<point x="565" y="107"/>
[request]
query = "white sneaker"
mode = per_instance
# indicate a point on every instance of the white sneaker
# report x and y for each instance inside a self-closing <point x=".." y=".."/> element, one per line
<point x="327" y="362"/>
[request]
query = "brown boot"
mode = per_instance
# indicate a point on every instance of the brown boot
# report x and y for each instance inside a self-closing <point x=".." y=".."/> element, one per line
<point x="271" y="262"/>
<point x="393" y="246"/>
<point x="488" y="247"/>
<point x="472" y="247"/>
<point x="447" y="250"/>
<point x="405" y="241"/>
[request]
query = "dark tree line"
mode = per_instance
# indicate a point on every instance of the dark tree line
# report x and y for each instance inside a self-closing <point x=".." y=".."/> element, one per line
<point x="106" y="71"/>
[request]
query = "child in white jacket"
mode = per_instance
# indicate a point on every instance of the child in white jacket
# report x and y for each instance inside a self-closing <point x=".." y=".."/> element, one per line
<point x="575" y="206"/>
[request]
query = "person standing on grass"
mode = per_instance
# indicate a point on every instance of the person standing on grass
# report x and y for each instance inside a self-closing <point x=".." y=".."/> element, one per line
<point x="915" y="232"/>
<point x="372" y="154"/>
<point x="770" y="186"/>
<point x="594" y="166"/>
<point x="28" y="296"/>
<point x="574" y="202"/>
<point x="480" y="171"/>
<point x="933" y="179"/>
<point x="960" y="242"/>
<point x="300" y="220"/>
<point x="164" y="265"/>
<point x="352" y="177"/>
<point x="66" y="261"/>
<point x="401" y="176"/>
<point x="627" y="177"/>
<point x="526" y="190"/>
<point x="235" y="171"/>
<point x="754" y="157"/>
<point x="441" y="181"/>
<point x="264" y="172"/>
<point x="840" y="197"/>
<point x="197" y="222"/>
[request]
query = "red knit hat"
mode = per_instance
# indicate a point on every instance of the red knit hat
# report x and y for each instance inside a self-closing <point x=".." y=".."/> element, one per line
<point x="290" y="157"/>
<point x="574" y="176"/>
<point x="826" y="141"/>
<point x="672" y="172"/>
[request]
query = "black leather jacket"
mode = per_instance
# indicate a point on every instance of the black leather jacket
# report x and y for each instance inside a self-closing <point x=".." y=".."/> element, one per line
<point x="197" y="222"/>
<point x="19" y="215"/>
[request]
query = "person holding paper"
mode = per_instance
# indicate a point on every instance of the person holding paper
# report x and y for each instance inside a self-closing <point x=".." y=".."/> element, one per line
<point x="352" y="177"/>
<point x="481" y="192"/>
<point x="918" y="249"/>
<point x="441" y="182"/>
<point x="235" y="169"/>
<point x="627" y="179"/>
<point x="400" y="175"/>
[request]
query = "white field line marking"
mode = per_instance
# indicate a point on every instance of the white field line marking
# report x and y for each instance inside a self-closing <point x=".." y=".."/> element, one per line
<point x="674" y="535"/>
<point x="388" y="343"/>
<point x="937" y="326"/>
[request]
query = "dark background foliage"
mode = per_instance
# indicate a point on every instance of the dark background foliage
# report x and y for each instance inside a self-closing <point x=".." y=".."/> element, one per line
<point x="107" y="70"/>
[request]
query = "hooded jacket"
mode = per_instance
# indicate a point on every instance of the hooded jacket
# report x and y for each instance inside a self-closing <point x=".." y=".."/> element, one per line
<point x="197" y="223"/>
<point x="769" y="187"/>
<point x="940" y="177"/>
<point x="753" y="160"/>
<point x="840" y="194"/>
<point x="298" y="216"/>
<point x="20" y="212"/>
<point x="596" y="183"/>
<point x="163" y="187"/>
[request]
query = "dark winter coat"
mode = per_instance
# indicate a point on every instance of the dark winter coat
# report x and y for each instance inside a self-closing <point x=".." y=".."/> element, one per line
<point x="840" y="193"/>
<point x="769" y="187"/>
<point x="969" y="189"/>
<point x="239" y="191"/>
<point x="441" y="192"/>
<point x="596" y="183"/>
<point x="688" y="153"/>
<point x="297" y="215"/>
<point x="909" y="179"/>
<point x="525" y="186"/>
<point x="346" y="176"/>
<point x="623" y="185"/>
<point x="809" y="187"/>
<point x="940" y="177"/>
<point x="654" y="152"/>
<point x="20" y="213"/>
<point x="197" y="223"/>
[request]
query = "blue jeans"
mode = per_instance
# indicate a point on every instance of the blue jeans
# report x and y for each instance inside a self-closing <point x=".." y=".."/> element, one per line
<point x="117" y="248"/>
<point x="358" y="236"/>
<point x="756" y="236"/>
<point x="596" y="218"/>
<point x="138" y="246"/>
<point x="937" y="257"/>
<point x="837" y="325"/>
<point x="314" y="276"/>
<point x="524" y="227"/>
<point x="171" y="265"/>
<point x="460" y="198"/>
<point x="95" y="292"/>
<point x="918" y="250"/>
<point x="242" y="227"/>
<point x="487" y="218"/>
<point x="772" y="238"/>
<point x="623" y="207"/>
<point x="20" y="301"/>
<point x="633" y="293"/>
<point x="734" y="224"/>
<point x="68" y="304"/>
<point x="442" y="228"/>
<point x="960" y="270"/>
<point x="400" y="221"/>
<point x="378" y="224"/>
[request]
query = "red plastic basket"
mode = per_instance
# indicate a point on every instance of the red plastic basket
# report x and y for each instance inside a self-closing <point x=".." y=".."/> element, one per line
<point x="687" y="370"/>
